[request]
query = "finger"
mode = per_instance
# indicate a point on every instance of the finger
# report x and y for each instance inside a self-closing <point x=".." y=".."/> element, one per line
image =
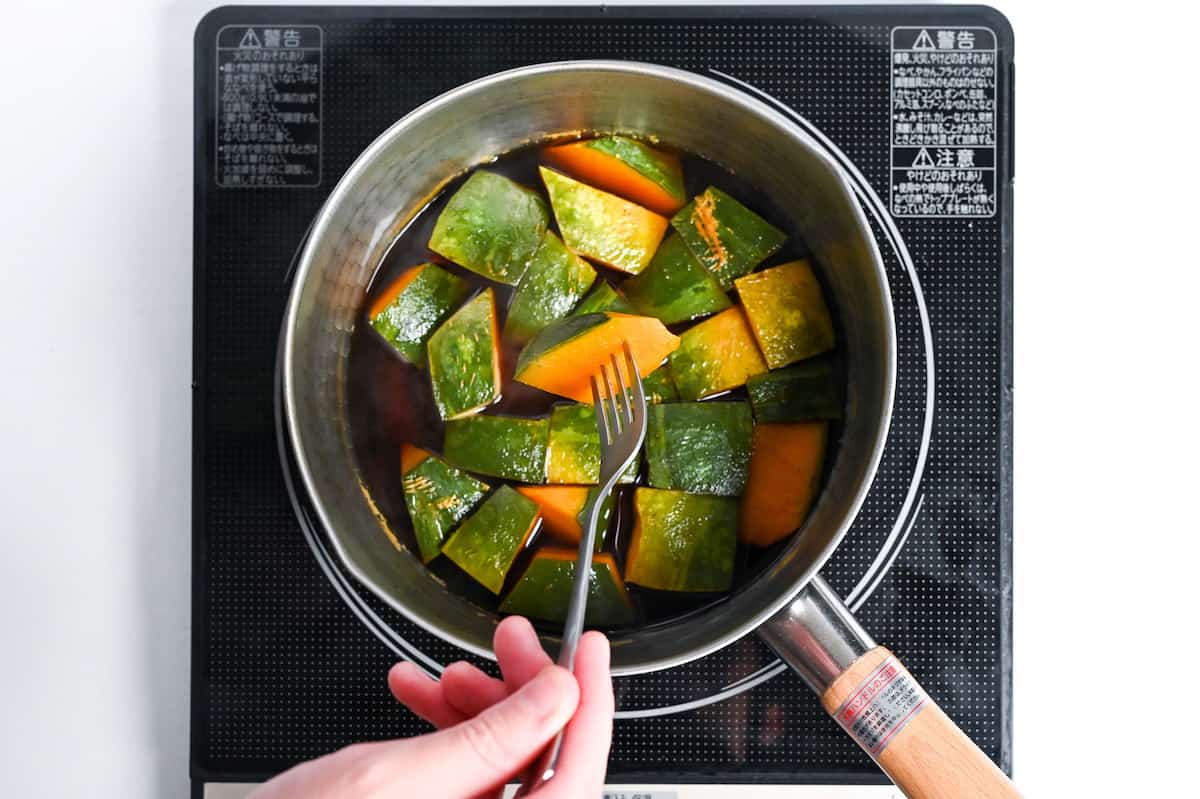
<point x="584" y="758"/>
<point x="422" y="695"/>
<point x="520" y="653"/>
<point x="469" y="691"/>
<point x="482" y="753"/>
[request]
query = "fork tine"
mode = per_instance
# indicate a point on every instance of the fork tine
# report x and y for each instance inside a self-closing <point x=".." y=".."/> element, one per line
<point x="612" y="401"/>
<point x="635" y="379"/>
<point x="623" y="407"/>
<point x="601" y="413"/>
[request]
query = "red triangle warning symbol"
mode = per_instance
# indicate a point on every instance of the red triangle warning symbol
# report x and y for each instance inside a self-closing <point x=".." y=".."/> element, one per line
<point x="923" y="161"/>
<point x="924" y="41"/>
<point x="249" y="40"/>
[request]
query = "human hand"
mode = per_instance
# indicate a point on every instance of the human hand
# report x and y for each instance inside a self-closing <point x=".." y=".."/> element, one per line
<point x="490" y="729"/>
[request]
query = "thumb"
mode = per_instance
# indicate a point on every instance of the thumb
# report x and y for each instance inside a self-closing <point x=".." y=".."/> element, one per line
<point x="485" y="751"/>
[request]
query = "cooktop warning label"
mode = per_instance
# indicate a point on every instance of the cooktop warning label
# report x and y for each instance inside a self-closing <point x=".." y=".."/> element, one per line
<point x="944" y="122"/>
<point x="269" y="105"/>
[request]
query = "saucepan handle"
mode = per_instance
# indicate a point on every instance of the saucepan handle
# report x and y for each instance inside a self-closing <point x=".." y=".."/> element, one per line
<point x="867" y="691"/>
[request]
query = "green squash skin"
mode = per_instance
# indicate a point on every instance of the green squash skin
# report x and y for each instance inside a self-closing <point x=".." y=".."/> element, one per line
<point x="500" y="446"/>
<point x="699" y="364"/>
<point x="544" y="592"/>
<point x="491" y="226"/>
<point x="674" y="286"/>
<point x="692" y="371"/>
<point x="659" y="386"/>
<point x="438" y="497"/>
<point x="745" y="238"/>
<point x="574" y="452"/>
<point x="800" y="393"/>
<point x="552" y="286"/>
<point x="603" y="298"/>
<point x="556" y="334"/>
<point x="699" y="447"/>
<point x="462" y="366"/>
<point x="586" y="226"/>
<point x="790" y="319"/>
<point x="687" y="541"/>
<point x="642" y="159"/>
<point x="410" y="319"/>
<point x="487" y="543"/>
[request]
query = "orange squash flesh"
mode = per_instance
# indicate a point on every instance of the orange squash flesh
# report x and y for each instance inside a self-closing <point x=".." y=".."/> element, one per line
<point x="561" y="506"/>
<point x="411" y="457"/>
<point x="603" y="559"/>
<point x="566" y="368"/>
<point x="393" y="291"/>
<point x="785" y="477"/>
<point x="611" y="174"/>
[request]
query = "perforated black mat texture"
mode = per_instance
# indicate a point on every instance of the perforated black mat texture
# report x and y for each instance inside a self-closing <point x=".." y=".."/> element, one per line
<point x="290" y="654"/>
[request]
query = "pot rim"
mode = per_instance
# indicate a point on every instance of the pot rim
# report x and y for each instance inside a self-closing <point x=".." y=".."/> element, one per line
<point x="745" y="103"/>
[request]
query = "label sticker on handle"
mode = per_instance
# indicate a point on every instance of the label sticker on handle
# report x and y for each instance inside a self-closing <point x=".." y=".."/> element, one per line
<point x="881" y="706"/>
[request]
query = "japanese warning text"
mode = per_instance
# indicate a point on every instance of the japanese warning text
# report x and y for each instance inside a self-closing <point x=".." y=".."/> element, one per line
<point x="268" y="106"/>
<point x="943" y="122"/>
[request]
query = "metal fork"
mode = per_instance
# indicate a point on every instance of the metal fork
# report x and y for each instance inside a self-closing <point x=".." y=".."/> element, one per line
<point x="621" y="418"/>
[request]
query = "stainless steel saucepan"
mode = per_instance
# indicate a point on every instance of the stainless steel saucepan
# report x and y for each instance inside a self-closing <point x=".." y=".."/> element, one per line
<point x="866" y="689"/>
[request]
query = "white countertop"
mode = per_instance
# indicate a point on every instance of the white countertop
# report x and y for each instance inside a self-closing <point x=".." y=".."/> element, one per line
<point x="95" y="409"/>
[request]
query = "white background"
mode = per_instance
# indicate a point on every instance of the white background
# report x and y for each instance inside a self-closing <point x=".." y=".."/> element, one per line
<point x="95" y="353"/>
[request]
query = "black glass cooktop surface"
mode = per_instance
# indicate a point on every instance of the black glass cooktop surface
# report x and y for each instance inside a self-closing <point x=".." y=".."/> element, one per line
<point x="290" y="653"/>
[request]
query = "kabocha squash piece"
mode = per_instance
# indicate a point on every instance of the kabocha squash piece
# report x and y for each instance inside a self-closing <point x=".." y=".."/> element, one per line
<point x="491" y="226"/>
<point x="554" y="283"/>
<point x="562" y="358"/>
<point x="599" y="225"/>
<point x="563" y="508"/>
<point x="699" y="447"/>
<point x="785" y="477"/>
<point x="411" y="457"/>
<point x="682" y="542"/>
<point x="489" y="540"/>
<point x="798" y="393"/>
<point x="574" y="450"/>
<point x="543" y="591"/>
<point x="716" y="355"/>
<point x="464" y="359"/>
<point x="573" y="455"/>
<point x="726" y="236"/>
<point x="659" y="386"/>
<point x="787" y="313"/>
<point x="499" y="446"/>
<point x="437" y="496"/>
<point x="628" y="167"/>
<point x="409" y="310"/>
<point x="603" y="297"/>
<point x="675" y="287"/>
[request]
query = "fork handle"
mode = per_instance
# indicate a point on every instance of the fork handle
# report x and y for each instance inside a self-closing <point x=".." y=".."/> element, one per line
<point x="543" y="767"/>
<point x="577" y="607"/>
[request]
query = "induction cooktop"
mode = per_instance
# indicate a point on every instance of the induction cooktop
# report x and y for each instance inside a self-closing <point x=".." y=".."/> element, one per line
<point x="914" y="102"/>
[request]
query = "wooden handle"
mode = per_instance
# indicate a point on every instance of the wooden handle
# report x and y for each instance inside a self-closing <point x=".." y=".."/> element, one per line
<point x="879" y="703"/>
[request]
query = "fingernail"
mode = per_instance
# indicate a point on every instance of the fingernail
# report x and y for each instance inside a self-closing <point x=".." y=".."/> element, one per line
<point x="404" y="667"/>
<point x="544" y="693"/>
<point x="519" y="622"/>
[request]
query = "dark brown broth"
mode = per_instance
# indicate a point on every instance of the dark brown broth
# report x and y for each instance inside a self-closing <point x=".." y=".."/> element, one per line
<point x="391" y="402"/>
